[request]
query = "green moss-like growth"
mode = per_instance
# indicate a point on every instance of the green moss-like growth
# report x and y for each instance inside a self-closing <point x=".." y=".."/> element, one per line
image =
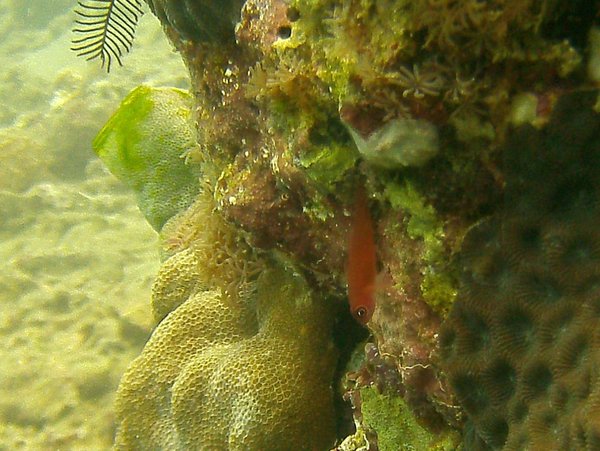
<point x="397" y="429"/>
<point x="328" y="163"/>
<point x="356" y="38"/>
<point x="317" y="142"/>
<point x="144" y="144"/>
<point x="438" y="286"/>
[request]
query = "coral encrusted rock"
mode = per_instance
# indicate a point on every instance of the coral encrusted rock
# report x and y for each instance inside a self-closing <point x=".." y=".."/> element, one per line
<point x="236" y="373"/>
<point x="521" y="346"/>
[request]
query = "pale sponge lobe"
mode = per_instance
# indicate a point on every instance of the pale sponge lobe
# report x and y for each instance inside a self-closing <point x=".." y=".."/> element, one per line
<point x="144" y="144"/>
<point x="227" y="372"/>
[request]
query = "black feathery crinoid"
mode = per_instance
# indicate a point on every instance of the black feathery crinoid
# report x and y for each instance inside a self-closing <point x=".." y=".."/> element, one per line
<point x="105" y="29"/>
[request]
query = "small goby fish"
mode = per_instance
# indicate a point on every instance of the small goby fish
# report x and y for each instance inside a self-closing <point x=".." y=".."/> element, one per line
<point x="362" y="261"/>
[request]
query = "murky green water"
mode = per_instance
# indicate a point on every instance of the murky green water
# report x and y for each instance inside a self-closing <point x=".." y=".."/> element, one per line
<point x="77" y="258"/>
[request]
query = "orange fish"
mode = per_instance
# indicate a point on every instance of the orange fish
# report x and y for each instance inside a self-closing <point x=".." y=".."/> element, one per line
<point x="362" y="261"/>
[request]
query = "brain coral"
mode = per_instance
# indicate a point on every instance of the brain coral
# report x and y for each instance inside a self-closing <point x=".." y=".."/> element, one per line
<point x="522" y="344"/>
<point x="143" y="144"/>
<point x="237" y="373"/>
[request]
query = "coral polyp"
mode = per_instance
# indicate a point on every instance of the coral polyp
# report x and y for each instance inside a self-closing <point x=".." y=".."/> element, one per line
<point x="214" y="255"/>
<point x="419" y="83"/>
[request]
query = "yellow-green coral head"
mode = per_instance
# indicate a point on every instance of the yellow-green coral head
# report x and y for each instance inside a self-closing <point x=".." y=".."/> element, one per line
<point x="144" y="144"/>
<point x="231" y="373"/>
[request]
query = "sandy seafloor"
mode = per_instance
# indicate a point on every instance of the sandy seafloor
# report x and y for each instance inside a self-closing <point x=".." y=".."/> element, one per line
<point x="77" y="258"/>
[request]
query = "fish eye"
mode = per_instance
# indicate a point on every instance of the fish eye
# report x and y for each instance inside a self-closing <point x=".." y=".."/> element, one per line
<point x="361" y="312"/>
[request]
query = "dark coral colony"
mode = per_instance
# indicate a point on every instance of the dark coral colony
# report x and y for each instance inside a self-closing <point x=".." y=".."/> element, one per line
<point x="473" y="129"/>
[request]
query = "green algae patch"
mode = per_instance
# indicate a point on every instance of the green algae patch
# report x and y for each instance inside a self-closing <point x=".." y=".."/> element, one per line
<point x="327" y="165"/>
<point x="144" y="144"/>
<point x="423" y="222"/>
<point x="396" y="427"/>
<point x="424" y="225"/>
<point x="351" y="34"/>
